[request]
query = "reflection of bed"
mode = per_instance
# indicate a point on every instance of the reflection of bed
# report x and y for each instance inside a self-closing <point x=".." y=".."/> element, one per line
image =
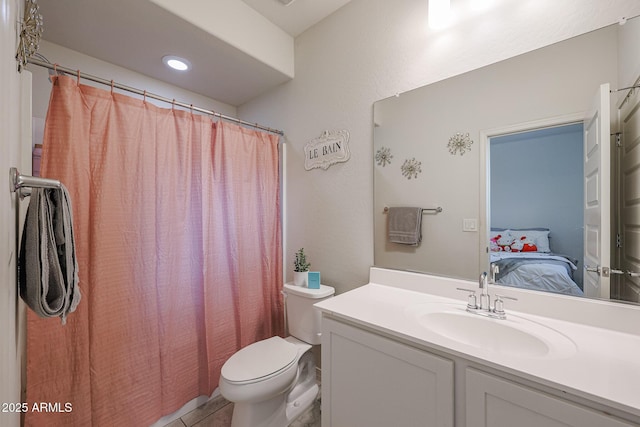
<point x="525" y="260"/>
<point x="536" y="270"/>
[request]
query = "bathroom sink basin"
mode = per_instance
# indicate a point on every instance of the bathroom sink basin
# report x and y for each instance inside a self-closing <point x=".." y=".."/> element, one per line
<point x="514" y="336"/>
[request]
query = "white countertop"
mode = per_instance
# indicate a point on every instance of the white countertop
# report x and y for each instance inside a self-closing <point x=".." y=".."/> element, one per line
<point x="605" y="366"/>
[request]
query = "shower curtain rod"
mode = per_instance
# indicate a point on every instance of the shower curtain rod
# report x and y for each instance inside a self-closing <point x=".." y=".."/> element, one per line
<point x="111" y="83"/>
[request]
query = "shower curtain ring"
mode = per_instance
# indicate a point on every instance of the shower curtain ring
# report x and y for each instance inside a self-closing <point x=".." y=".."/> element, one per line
<point x="191" y="108"/>
<point x="111" y="87"/>
<point x="78" y="81"/>
<point x="173" y="104"/>
<point x="144" y="97"/>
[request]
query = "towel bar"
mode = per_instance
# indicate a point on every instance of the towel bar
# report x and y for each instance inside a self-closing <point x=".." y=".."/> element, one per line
<point x="19" y="183"/>
<point x="435" y="210"/>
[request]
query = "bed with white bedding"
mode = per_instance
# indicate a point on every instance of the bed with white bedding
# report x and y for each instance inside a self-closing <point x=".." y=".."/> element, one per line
<point x="534" y="270"/>
<point x="525" y="261"/>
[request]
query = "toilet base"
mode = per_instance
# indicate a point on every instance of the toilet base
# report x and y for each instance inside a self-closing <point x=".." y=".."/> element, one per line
<point x="274" y="412"/>
<point x="282" y="409"/>
<point x="302" y="403"/>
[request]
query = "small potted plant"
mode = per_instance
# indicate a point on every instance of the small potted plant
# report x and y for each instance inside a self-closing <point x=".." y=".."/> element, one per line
<point x="300" y="268"/>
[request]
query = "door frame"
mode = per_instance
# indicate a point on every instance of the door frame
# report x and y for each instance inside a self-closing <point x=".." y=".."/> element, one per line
<point x="485" y="136"/>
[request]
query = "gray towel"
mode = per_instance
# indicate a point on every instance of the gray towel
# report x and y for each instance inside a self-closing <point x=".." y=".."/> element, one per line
<point x="48" y="269"/>
<point x="405" y="225"/>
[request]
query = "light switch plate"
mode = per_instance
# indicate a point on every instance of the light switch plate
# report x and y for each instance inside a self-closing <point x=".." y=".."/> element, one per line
<point x="470" y="224"/>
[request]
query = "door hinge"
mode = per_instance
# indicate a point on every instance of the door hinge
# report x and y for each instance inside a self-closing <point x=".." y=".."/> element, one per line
<point x="618" y="136"/>
<point x="618" y="240"/>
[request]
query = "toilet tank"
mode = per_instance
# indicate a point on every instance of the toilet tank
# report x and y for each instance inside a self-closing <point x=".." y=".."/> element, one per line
<point x="303" y="319"/>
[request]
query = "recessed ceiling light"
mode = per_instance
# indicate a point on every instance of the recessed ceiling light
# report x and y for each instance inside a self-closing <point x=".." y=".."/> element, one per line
<point x="176" y="62"/>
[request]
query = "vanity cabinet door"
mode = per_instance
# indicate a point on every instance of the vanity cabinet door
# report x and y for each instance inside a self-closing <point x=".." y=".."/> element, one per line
<point x="495" y="402"/>
<point x="372" y="381"/>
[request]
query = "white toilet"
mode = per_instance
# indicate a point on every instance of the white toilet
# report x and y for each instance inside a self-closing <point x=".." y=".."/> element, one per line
<point x="273" y="381"/>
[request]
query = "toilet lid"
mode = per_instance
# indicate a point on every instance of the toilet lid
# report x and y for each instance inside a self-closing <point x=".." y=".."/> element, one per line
<point x="323" y="292"/>
<point x="259" y="359"/>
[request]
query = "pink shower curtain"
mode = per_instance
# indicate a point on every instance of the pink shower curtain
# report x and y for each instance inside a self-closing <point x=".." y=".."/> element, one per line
<point x="178" y="238"/>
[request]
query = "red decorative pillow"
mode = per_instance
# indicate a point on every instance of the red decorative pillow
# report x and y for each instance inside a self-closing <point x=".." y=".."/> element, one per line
<point x="501" y="241"/>
<point x="524" y="244"/>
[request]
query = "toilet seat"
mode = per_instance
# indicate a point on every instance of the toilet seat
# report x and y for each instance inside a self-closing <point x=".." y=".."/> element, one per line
<point x="260" y="361"/>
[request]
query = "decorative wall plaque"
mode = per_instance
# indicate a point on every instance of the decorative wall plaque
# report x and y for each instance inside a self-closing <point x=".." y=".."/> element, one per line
<point x="330" y="148"/>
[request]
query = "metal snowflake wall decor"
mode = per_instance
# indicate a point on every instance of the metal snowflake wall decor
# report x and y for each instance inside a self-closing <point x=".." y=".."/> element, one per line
<point x="384" y="156"/>
<point x="459" y="143"/>
<point x="31" y="29"/>
<point x="411" y="168"/>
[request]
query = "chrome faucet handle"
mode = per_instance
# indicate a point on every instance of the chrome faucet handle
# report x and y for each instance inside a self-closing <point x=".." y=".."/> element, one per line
<point x="498" y="305"/>
<point x="471" y="302"/>
<point x="495" y="269"/>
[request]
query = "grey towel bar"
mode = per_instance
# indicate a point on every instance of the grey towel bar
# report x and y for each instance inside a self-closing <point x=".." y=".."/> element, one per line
<point x="21" y="183"/>
<point x="435" y="210"/>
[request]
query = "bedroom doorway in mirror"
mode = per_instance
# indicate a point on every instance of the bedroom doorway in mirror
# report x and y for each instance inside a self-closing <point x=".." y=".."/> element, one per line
<point x="535" y="196"/>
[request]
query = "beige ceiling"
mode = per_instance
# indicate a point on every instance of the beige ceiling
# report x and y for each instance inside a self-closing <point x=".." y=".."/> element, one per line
<point x="135" y="34"/>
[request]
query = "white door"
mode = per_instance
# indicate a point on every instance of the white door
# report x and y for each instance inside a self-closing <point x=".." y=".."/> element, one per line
<point x="629" y="204"/>
<point x="597" y="196"/>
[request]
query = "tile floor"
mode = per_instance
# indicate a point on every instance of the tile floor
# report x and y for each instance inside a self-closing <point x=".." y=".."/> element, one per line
<point x="217" y="413"/>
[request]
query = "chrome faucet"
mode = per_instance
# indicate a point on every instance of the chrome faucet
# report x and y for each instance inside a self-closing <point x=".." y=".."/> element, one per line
<point x="485" y="299"/>
<point x="484" y="307"/>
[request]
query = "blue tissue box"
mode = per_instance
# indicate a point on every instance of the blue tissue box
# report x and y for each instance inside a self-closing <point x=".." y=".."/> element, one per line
<point x="314" y="280"/>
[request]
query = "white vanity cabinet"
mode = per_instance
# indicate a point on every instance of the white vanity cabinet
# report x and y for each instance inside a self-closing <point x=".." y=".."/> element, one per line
<point x="372" y="381"/>
<point x="496" y="402"/>
<point x="403" y="351"/>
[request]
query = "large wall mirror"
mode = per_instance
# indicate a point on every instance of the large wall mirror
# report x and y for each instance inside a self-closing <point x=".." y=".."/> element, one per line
<point x="501" y="150"/>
